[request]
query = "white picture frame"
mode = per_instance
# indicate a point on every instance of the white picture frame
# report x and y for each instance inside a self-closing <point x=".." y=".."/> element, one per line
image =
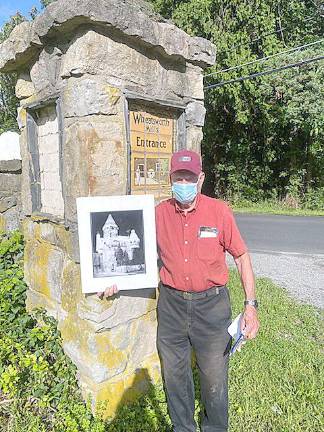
<point x="117" y="241"/>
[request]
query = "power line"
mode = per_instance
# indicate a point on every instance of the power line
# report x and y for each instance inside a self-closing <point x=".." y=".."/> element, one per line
<point x="264" y="58"/>
<point x="266" y="34"/>
<point x="267" y="72"/>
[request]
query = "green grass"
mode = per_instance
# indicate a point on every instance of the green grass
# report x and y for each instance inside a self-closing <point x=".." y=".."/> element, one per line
<point x="276" y="382"/>
<point x="270" y="207"/>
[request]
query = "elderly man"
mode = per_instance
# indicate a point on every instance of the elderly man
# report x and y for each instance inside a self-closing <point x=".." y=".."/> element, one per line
<point x="194" y="311"/>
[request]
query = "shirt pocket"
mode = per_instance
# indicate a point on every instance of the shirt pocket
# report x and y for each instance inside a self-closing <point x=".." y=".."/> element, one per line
<point x="208" y="248"/>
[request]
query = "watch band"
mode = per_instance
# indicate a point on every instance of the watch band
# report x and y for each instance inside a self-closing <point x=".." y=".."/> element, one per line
<point x="251" y="303"/>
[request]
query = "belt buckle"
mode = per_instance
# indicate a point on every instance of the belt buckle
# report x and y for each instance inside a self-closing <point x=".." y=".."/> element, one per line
<point x="187" y="295"/>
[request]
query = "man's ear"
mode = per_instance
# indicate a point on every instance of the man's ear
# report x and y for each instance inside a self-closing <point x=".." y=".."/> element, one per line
<point x="201" y="180"/>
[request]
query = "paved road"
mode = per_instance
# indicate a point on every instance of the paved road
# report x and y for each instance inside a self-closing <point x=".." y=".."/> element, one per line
<point x="294" y="234"/>
<point x="289" y="250"/>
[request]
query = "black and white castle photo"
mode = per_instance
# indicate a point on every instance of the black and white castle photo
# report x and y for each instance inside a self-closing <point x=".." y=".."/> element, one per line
<point x="117" y="243"/>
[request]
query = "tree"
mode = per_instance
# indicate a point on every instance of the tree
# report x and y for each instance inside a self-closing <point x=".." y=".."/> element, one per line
<point x="8" y="100"/>
<point x="258" y="137"/>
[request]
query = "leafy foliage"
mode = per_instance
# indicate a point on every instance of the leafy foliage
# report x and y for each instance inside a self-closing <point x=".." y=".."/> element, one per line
<point x="35" y="375"/>
<point x="8" y="100"/>
<point x="263" y="138"/>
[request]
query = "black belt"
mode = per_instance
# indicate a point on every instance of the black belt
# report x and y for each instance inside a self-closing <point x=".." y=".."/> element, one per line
<point x="190" y="295"/>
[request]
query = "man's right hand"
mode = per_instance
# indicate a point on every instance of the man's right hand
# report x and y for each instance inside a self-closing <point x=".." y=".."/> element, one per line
<point x="109" y="292"/>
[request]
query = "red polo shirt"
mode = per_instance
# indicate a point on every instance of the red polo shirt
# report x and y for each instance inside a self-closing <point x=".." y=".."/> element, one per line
<point x="192" y="246"/>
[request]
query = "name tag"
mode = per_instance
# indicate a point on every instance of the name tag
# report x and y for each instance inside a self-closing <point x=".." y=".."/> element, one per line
<point x="207" y="232"/>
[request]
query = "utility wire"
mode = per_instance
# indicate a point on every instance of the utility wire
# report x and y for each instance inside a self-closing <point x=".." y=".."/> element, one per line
<point x="264" y="58"/>
<point x="266" y="34"/>
<point x="267" y="72"/>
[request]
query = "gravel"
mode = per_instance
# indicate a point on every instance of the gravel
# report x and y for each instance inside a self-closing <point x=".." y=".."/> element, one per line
<point x="301" y="275"/>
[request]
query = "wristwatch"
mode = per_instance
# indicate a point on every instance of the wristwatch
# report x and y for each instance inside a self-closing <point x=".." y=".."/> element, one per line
<point x="251" y="303"/>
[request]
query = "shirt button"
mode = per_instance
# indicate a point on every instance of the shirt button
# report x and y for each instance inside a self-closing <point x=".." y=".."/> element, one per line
<point x="186" y="224"/>
<point x="186" y="259"/>
<point x="186" y="241"/>
<point x="187" y="278"/>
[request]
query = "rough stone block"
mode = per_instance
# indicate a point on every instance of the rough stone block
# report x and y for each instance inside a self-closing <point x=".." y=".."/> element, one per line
<point x="10" y="166"/>
<point x="123" y="308"/>
<point x="9" y="182"/>
<point x="3" y="223"/>
<point x="194" y="138"/>
<point x="36" y="300"/>
<point x="54" y="274"/>
<point x="195" y="114"/>
<point x="50" y="181"/>
<point x="48" y="144"/>
<point x="47" y="233"/>
<point x="52" y="202"/>
<point x="7" y="202"/>
<point x="109" y="396"/>
<point x="24" y="86"/>
<point x="195" y="82"/>
<point x="50" y="164"/>
<point x="45" y="263"/>
<point x="44" y="72"/>
<point x="11" y="219"/>
<point x="105" y="61"/>
<point x="143" y="346"/>
<point x="89" y="367"/>
<point x="94" y="154"/>
<point x="48" y="125"/>
<point x="90" y="95"/>
<point x="20" y="47"/>
<point x="36" y="263"/>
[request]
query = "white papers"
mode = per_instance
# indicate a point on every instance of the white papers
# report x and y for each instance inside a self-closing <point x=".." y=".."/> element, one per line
<point x="235" y="331"/>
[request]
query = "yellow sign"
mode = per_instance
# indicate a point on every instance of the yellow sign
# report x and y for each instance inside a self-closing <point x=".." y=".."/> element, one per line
<point x="151" y="141"/>
<point x="150" y="171"/>
<point x="151" y="133"/>
<point x="141" y="121"/>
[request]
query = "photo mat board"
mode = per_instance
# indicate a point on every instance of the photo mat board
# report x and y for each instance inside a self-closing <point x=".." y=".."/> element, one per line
<point x="117" y="242"/>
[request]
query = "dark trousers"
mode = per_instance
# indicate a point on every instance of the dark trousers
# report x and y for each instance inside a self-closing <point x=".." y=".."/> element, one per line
<point x="198" y="323"/>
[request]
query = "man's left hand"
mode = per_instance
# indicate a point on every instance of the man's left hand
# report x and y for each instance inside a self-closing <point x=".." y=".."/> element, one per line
<point x="250" y="323"/>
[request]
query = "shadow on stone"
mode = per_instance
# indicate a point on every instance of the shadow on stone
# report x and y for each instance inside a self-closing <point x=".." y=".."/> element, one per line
<point x="142" y="407"/>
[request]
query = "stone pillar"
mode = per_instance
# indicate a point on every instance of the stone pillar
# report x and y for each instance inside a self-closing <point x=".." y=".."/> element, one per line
<point x="79" y="71"/>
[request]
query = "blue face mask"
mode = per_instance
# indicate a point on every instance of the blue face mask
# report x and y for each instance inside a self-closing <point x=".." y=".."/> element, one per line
<point x="184" y="193"/>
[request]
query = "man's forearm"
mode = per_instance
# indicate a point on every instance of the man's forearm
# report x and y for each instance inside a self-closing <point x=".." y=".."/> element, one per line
<point x="244" y="267"/>
<point x="249" y="323"/>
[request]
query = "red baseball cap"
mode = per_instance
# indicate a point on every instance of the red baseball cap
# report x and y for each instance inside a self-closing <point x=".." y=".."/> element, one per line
<point x="186" y="160"/>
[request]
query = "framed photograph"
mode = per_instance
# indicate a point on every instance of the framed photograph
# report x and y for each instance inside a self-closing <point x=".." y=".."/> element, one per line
<point x="117" y="242"/>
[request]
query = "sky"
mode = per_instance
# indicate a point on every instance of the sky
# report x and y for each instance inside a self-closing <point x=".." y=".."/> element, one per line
<point x="10" y="7"/>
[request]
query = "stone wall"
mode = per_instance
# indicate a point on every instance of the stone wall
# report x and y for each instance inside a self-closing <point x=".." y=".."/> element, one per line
<point x="86" y="61"/>
<point x="10" y="203"/>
